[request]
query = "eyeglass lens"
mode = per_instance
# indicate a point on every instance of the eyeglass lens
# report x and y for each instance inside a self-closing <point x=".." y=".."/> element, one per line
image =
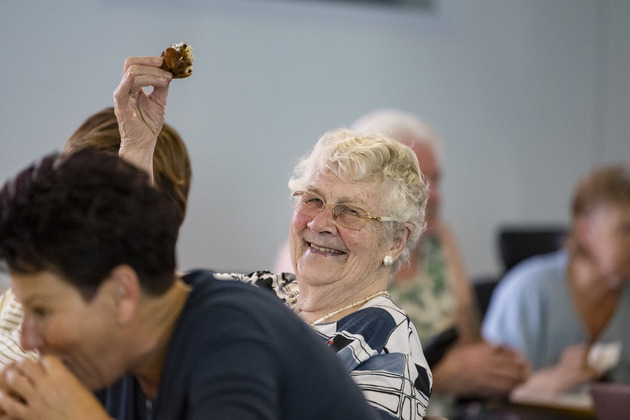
<point x="311" y="205"/>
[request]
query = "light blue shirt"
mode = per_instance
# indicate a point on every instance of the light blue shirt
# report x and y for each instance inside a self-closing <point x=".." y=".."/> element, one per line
<point x="532" y="310"/>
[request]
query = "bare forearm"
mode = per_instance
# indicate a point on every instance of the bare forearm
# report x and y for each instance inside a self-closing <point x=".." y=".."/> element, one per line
<point x="140" y="156"/>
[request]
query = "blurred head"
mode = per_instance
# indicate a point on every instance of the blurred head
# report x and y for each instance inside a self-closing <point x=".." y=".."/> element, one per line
<point x="424" y="141"/>
<point x="85" y="238"/>
<point x="171" y="162"/>
<point x="81" y="215"/>
<point x="344" y="186"/>
<point x="600" y="227"/>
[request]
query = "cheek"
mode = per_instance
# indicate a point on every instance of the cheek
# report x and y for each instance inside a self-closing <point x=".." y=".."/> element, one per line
<point x="59" y="334"/>
<point x="363" y="246"/>
<point x="298" y="223"/>
<point x="296" y="245"/>
<point x="612" y="256"/>
<point x="77" y="329"/>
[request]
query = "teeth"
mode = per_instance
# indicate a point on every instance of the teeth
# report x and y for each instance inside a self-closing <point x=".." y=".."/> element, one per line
<point x="334" y="251"/>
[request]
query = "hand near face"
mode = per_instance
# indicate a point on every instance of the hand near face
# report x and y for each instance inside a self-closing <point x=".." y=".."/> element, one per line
<point x="140" y="115"/>
<point x="46" y="389"/>
<point x="479" y="369"/>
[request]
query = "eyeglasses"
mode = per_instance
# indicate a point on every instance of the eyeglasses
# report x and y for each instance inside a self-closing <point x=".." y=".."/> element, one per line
<point x="310" y="204"/>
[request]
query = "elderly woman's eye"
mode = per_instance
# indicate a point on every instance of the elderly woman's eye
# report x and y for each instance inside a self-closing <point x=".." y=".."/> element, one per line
<point x="349" y="211"/>
<point x="313" y="201"/>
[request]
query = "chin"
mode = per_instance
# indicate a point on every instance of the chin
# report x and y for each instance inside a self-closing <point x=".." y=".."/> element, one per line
<point x="90" y="380"/>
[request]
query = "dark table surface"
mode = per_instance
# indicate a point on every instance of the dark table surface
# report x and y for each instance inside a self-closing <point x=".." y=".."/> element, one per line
<point x="500" y="410"/>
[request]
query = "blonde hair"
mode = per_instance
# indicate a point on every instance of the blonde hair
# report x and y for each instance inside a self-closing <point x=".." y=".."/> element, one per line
<point x="171" y="162"/>
<point x="371" y="158"/>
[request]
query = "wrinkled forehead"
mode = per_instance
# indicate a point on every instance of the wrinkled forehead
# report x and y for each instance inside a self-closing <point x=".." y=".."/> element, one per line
<point x="334" y="189"/>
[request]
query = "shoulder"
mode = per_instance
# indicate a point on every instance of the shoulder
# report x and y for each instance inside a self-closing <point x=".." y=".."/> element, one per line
<point x="235" y="307"/>
<point x="375" y="322"/>
<point x="220" y="289"/>
<point x="538" y="273"/>
<point x="380" y="328"/>
<point x="523" y="298"/>
<point x="283" y="285"/>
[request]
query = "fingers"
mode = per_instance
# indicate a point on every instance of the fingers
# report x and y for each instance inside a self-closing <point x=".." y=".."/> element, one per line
<point x="32" y="369"/>
<point x="135" y="79"/>
<point x="142" y="61"/>
<point x="160" y="93"/>
<point x="147" y="71"/>
<point x="497" y="383"/>
<point x="13" y="385"/>
<point x="501" y="370"/>
<point x="10" y="408"/>
<point x="22" y="378"/>
<point x="140" y="72"/>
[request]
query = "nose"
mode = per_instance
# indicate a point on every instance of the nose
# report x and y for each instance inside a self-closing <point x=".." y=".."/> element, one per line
<point x="324" y="222"/>
<point x="30" y="338"/>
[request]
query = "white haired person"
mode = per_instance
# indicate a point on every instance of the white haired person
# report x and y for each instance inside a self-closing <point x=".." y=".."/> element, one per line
<point x="359" y="205"/>
<point x="568" y="310"/>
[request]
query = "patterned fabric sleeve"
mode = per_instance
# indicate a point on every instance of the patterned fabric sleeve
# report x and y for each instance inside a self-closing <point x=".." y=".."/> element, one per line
<point x="283" y="284"/>
<point x="11" y="314"/>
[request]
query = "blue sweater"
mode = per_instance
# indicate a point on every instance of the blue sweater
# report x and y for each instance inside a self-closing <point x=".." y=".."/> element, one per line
<point x="238" y="353"/>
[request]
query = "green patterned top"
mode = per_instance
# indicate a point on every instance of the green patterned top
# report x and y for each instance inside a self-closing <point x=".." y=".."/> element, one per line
<point x="430" y="297"/>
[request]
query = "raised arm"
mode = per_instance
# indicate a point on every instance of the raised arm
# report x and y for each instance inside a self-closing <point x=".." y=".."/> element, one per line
<point x="140" y="114"/>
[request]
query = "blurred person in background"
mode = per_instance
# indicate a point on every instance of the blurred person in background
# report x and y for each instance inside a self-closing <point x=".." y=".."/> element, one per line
<point x="433" y="287"/>
<point x="568" y="311"/>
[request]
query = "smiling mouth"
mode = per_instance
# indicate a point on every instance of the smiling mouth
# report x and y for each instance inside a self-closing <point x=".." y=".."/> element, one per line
<point x="323" y="250"/>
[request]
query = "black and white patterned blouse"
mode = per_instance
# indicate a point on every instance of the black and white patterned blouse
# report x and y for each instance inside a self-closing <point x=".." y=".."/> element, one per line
<point x="377" y="343"/>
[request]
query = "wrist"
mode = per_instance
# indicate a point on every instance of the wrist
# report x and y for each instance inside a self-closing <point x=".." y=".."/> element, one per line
<point x="139" y="156"/>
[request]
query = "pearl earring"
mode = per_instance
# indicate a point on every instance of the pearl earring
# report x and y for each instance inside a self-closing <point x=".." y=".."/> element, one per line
<point x="388" y="260"/>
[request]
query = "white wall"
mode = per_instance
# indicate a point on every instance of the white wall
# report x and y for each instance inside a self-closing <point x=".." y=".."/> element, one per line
<point x="527" y="94"/>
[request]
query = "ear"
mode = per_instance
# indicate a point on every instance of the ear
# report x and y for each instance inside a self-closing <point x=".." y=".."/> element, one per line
<point x="400" y="240"/>
<point x="124" y="290"/>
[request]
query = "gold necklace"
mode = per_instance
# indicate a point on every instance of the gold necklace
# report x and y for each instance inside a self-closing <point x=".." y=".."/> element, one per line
<point x="345" y="308"/>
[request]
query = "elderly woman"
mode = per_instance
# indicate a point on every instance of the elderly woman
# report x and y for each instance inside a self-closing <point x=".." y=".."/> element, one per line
<point x="568" y="311"/>
<point x="359" y="206"/>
